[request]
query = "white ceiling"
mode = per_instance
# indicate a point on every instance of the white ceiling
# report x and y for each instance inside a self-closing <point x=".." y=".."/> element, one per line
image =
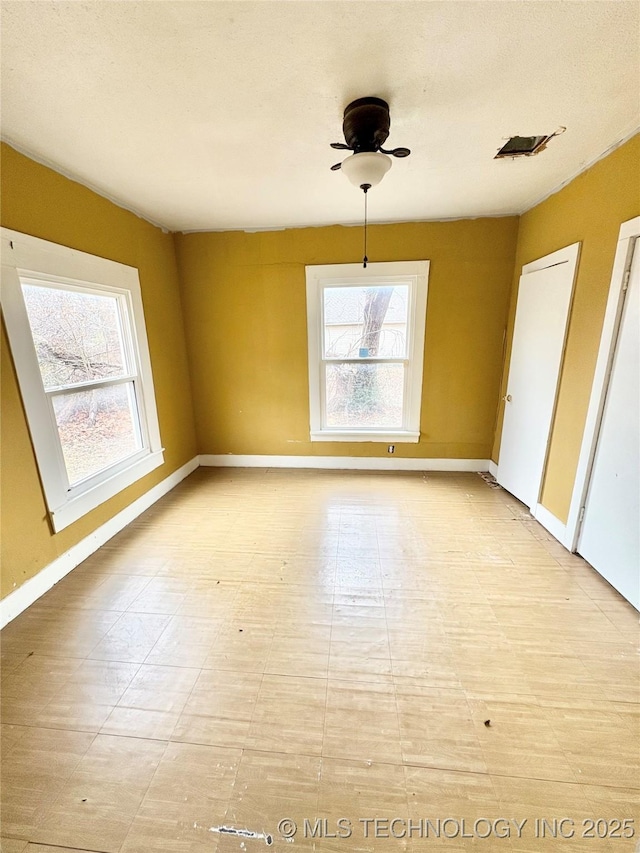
<point x="218" y="115"/>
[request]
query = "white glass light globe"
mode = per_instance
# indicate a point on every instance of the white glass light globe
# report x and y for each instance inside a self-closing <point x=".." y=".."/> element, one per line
<point x="368" y="167"/>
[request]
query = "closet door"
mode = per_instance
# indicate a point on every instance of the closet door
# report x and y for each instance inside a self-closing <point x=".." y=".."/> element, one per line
<point x="610" y="535"/>
<point x="544" y="297"/>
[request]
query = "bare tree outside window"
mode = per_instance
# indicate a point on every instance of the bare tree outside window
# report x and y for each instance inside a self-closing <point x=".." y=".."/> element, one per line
<point x="79" y="342"/>
<point x="362" y="324"/>
<point x="77" y="335"/>
<point x="377" y="301"/>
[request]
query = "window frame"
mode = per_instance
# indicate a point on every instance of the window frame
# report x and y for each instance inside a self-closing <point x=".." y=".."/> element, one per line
<point x="27" y="259"/>
<point x="319" y="277"/>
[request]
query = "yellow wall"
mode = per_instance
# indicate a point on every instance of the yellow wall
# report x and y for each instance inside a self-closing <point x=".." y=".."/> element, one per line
<point x="38" y="201"/>
<point x="590" y="209"/>
<point x="246" y="324"/>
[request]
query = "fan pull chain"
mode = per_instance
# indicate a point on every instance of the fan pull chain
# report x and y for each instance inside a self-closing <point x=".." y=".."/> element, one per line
<point x="365" y="259"/>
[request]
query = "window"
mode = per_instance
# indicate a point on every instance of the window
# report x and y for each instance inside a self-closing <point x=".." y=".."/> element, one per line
<point x="76" y="328"/>
<point x="366" y="347"/>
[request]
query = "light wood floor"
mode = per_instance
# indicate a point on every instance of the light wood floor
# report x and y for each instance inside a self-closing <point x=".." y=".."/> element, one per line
<point x="279" y="644"/>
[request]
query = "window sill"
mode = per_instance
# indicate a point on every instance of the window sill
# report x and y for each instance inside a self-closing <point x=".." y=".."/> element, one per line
<point x="386" y="437"/>
<point x="83" y="503"/>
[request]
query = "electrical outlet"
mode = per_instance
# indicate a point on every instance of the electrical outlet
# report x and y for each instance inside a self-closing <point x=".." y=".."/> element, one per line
<point x="391" y="448"/>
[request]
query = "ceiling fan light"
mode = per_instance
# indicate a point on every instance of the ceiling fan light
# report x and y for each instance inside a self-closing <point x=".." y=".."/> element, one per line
<point x="366" y="168"/>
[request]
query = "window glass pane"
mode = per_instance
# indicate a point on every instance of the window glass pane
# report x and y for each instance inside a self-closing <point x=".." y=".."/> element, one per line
<point x="77" y="336"/>
<point x="97" y="428"/>
<point x="364" y="395"/>
<point x="366" y="322"/>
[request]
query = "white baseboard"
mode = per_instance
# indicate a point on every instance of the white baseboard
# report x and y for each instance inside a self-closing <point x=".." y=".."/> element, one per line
<point x="549" y="521"/>
<point x="341" y="463"/>
<point x="493" y="468"/>
<point x="24" y="596"/>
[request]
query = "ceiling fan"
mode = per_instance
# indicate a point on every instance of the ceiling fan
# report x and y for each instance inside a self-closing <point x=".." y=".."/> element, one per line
<point x="365" y="126"/>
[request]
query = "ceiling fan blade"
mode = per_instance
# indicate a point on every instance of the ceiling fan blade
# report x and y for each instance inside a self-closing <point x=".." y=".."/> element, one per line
<point x="397" y="152"/>
<point x="336" y="166"/>
<point x="340" y="146"/>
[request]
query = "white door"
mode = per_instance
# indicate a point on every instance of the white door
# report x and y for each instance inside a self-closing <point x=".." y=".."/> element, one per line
<point x="610" y="534"/>
<point x="544" y="296"/>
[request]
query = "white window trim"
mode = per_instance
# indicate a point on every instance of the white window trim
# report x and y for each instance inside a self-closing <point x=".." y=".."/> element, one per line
<point x="416" y="273"/>
<point x="26" y="256"/>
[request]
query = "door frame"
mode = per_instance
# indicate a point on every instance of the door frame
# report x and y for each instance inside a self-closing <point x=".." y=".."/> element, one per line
<point x="627" y="241"/>
<point x="568" y="255"/>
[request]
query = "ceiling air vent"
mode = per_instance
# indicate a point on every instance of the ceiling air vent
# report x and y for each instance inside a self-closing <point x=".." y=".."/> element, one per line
<point x="526" y="146"/>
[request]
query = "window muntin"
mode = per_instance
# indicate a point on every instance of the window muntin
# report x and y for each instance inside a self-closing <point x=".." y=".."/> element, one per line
<point x="77" y="334"/>
<point x="366" y="342"/>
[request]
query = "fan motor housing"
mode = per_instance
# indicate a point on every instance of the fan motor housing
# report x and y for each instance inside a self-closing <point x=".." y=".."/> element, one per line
<point x="366" y="124"/>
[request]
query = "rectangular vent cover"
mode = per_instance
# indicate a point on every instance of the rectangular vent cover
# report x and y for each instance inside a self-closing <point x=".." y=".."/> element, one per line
<point x="522" y="146"/>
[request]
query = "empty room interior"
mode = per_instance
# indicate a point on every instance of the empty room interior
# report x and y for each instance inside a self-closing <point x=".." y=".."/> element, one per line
<point x="320" y="426"/>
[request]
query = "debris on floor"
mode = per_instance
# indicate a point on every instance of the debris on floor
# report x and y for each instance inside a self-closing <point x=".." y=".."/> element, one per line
<point x="489" y="479"/>
<point x="241" y="833"/>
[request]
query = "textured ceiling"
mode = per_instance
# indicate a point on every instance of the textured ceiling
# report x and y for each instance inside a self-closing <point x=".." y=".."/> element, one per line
<point x="215" y="115"/>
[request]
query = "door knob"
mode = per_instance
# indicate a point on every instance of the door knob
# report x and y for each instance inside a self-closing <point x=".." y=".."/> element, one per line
<point x="508" y="398"/>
